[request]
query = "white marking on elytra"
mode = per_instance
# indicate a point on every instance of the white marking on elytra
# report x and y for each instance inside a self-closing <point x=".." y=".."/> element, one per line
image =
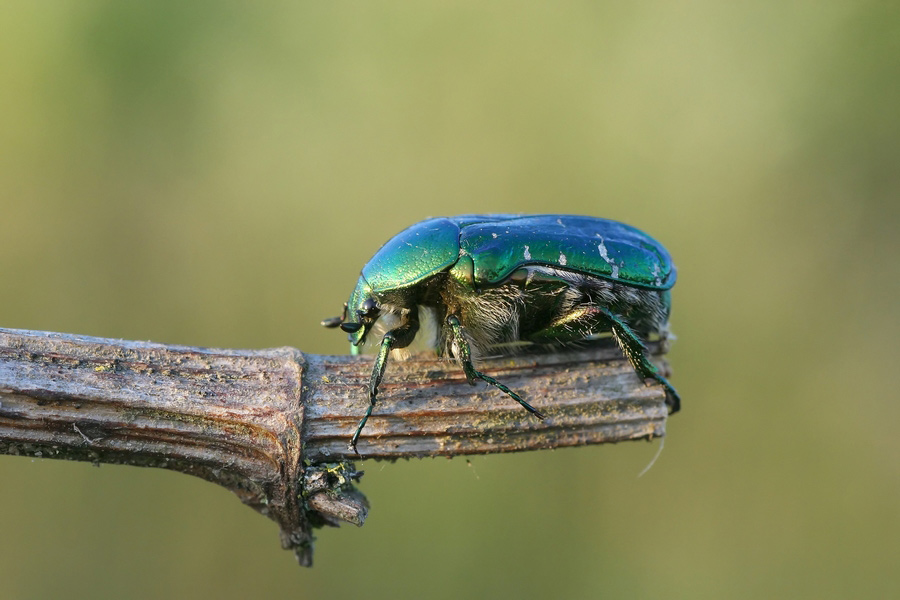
<point x="605" y="256"/>
<point x="562" y="259"/>
<point x="494" y="235"/>
<point x="527" y="253"/>
<point x="560" y="222"/>
<point x="602" y="248"/>
<point x="656" y="274"/>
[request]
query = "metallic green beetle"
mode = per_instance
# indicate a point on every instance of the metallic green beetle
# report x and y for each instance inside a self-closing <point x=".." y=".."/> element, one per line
<point x="502" y="284"/>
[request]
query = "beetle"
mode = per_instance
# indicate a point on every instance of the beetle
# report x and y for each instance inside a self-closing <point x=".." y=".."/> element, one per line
<point x="503" y="284"/>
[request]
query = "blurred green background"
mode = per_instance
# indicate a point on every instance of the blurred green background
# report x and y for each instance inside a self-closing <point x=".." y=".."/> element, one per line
<point x="216" y="174"/>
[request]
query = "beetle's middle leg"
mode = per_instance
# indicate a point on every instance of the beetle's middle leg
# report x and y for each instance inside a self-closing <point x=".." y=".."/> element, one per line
<point x="461" y="344"/>
<point x="574" y="326"/>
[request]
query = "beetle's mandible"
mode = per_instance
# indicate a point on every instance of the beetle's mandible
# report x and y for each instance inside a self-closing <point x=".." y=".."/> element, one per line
<point x="502" y="284"/>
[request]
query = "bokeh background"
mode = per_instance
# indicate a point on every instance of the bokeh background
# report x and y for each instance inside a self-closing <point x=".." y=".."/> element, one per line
<point x="216" y="174"/>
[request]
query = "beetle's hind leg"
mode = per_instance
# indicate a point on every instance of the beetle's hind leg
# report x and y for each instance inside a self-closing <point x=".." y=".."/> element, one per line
<point x="574" y="324"/>
<point x="636" y="352"/>
<point x="464" y="354"/>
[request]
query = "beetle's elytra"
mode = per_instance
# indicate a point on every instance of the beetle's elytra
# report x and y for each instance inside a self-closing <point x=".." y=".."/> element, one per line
<point x="498" y="284"/>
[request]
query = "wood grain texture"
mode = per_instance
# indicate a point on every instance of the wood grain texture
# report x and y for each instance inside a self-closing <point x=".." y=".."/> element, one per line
<point x="426" y="407"/>
<point x="273" y="425"/>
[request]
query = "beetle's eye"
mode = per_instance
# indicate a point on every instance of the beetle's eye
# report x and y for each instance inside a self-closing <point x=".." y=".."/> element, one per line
<point x="369" y="308"/>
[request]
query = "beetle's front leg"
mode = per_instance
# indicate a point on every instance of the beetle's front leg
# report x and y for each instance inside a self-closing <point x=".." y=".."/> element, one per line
<point x="377" y="373"/>
<point x="461" y="344"/>
<point x="396" y="338"/>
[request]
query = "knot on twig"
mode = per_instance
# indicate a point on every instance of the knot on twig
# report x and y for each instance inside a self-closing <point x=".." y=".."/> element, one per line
<point x="331" y="496"/>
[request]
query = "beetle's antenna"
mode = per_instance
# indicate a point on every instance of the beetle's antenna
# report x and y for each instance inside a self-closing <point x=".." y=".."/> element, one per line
<point x="332" y="322"/>
<point x="336" y="321"/>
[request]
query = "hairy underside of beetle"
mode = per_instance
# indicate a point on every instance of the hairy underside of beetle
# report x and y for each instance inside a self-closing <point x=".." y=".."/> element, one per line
<point x="533" y="310"/>
<point x="545" y="308"/>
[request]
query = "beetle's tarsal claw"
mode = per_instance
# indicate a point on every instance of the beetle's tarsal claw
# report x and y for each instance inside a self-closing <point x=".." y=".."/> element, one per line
<point x="332" y="322"/>
<point x="673" y="400"/>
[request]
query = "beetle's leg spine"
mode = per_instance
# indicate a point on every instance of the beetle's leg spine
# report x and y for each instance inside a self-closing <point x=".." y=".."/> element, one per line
<point x="465" y="358"/>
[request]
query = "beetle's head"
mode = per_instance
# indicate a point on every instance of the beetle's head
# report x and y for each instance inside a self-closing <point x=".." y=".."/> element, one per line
<point x="360" y="313"/>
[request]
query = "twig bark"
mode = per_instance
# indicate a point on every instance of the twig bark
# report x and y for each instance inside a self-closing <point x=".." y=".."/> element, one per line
<point x="273" y="425"/>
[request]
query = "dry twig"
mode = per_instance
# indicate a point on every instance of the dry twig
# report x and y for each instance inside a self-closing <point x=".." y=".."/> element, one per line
<point x="273" y="425"/>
